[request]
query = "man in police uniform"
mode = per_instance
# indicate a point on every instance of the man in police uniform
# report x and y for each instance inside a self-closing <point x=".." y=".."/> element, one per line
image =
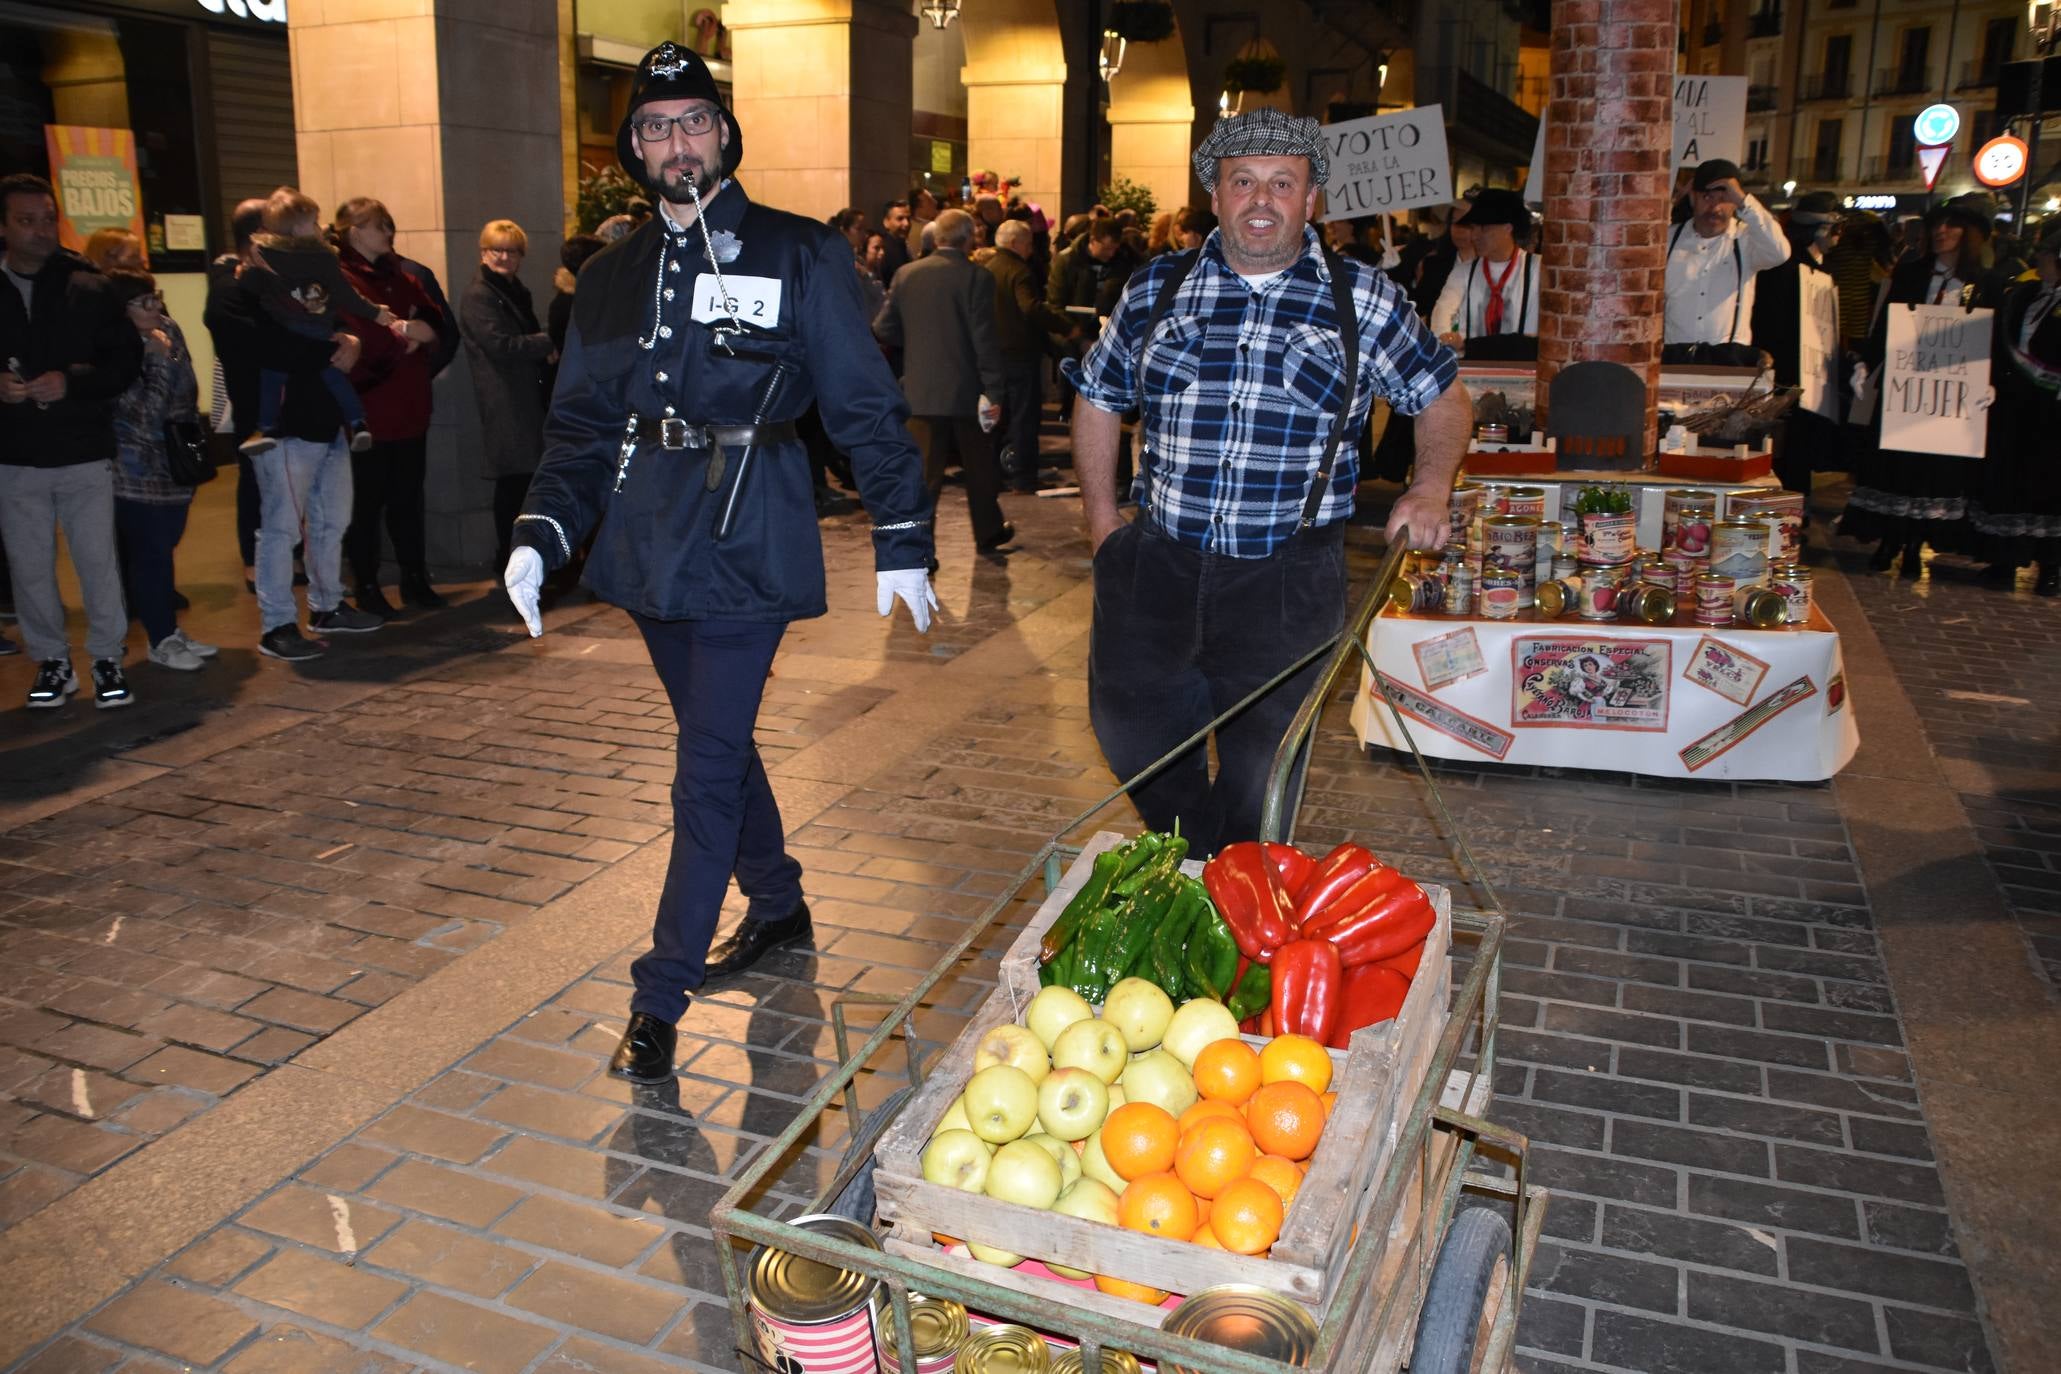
<point x="695" y="343"/>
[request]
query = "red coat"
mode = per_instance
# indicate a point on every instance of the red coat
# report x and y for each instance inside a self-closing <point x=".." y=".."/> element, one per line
<point x="393" y="383"/>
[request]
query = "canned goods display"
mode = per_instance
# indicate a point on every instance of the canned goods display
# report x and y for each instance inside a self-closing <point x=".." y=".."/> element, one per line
<point x="1113" y="1362"/>
<point x="1739" y="550"/>
<point x="1415" y="593"/>
<point x="1463" y="507"/>
<point x="1759" y="607"/>
<point x="1601" y="583"/>
<point x="1004" y="1350"/>
<point x="939" y="1327"/>
<point x="1773" y="539"/>
<point x="1793" y="582"/>
<point x="1253" y="1320"/>
<point x="1557" y="596"/>
<point x="811" y="1317"/>
<point x="1784" y="507"/>
<point x="1526" y="501"/>
<point x="1459" y="591"/>
<point x="1511" y="543"/>
<point x="1498" y="594"/>
<point x="1663" y="574"/>
<point x="1565" y="565"/>
<point x="1690" y="536"/>
<point x="1609" y="536"/>
<point x="1647" y="604"/>
<point x="1672" y="506"/>
<point x="1714" y="599"/>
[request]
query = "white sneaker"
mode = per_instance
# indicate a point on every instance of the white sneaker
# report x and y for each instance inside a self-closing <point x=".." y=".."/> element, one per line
<point x="171" y="652"/>
<point x="193" y="645"/>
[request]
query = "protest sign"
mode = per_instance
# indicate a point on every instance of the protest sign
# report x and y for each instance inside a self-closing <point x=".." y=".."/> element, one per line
<point x="1386" y="163"/>
<point x="1710" y="122"/>
<point x="1935" y="380"/>
<point x="1817" y="342"/>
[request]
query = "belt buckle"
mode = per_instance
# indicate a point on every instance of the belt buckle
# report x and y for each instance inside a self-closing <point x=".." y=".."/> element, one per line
<point x="672" y="434"/>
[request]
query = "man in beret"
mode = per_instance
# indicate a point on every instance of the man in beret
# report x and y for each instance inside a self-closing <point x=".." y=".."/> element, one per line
<point x="1712" y="259"/>
<point x="1236" y="356"/>
<point x="696" y="342"/>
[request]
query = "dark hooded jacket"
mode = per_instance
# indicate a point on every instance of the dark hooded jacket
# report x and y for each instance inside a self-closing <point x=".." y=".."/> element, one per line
<point x="76" y="327"/>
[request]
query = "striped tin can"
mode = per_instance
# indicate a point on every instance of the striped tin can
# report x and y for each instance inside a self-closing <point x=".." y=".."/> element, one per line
<point x="1793" y="581"/>
<point x="810" y="1317"/>
<point x="1714" y="599"/>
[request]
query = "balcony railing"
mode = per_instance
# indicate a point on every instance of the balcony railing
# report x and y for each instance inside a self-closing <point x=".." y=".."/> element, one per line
<point x="1978" y="74"/>
<point x="1766" y="24"/>
<point x="1762" y="97"/>
<point x="1824" y="169"/>
<point x="1901" y="81"/>
<point x="1828" y="86"/>
<point x="1877" y="170"/>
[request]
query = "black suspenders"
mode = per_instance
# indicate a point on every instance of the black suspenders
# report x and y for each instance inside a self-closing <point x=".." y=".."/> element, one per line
<point x="1738" y="267"/>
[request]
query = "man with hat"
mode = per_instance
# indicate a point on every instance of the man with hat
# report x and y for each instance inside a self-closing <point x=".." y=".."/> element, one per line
<point x="1712" y="258"/>
<point x="1490" y="305"/>
<point x="1253" y="361"/>
<point x="695" y="344"/>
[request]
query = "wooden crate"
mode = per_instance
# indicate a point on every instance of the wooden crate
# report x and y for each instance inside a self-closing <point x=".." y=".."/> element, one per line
<point x="1376" y="1079"/>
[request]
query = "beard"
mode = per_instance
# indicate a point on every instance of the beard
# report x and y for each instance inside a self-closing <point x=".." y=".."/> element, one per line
<point x="673" y="175"/>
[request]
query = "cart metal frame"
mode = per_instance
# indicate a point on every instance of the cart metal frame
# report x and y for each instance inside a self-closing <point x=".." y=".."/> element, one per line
<point x="1473" y="1014"/>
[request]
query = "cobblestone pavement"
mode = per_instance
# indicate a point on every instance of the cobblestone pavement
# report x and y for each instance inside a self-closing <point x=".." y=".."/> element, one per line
<point x="1698" y="1030"/>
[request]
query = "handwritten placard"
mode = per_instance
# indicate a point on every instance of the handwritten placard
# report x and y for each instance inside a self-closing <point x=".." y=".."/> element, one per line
<point x="1935" y="381"/>
<point x="1386" y="163"/>
<point x="1817" y="340"/>
<point x="1710" y="119"/>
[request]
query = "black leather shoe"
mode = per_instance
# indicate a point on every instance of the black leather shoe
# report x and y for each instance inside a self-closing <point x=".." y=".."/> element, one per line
<point x="1007" y="533"/>
<point x="1914" y="563"/>
<point x="645" y="1054"/>
<point x="753" y="939"/>
<point x="371" y="600"/>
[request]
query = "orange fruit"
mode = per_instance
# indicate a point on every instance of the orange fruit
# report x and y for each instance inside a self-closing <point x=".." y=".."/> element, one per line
<point x="1295" y="1058"/>
<point x="1330" y="1101"/>
<point x="1205" y="1109"/>
<point x="1158" y="1204"/>
<point x="1286" y="1119"/>
<point x="1227" y="1071"/>
<point x="1247" y="1216"/>
<point x="1282" y="1175"/>
<point x="1138" y="1138"/>
<point x="1206" y="1238"/>
<point x="1124" y="1288"/>
<point x="1201" y="1212"/>
<point x="1213" y="1154"/>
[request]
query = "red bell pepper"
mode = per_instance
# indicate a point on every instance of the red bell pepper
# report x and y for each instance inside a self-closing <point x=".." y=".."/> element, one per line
<point x="1370" y="995"/>
<point x="1406" y="962"/>
<point x="1308" y="979"/>
<point x="1383" y="930"/>
<point x="1330" y="876"/>
<point x="1248" y="892"/>
<point x="1291" y="863"/>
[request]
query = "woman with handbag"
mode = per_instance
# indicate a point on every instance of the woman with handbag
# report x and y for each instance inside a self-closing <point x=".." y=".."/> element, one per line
<point x="157" y="438"/>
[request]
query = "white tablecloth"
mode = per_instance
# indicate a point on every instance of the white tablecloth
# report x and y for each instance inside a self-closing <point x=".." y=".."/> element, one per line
<point x="1676" y="701"/>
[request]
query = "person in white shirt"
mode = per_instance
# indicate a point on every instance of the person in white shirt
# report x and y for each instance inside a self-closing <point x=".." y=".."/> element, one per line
<point x="1712" y="258"/>
<point x="1497" y="294"/>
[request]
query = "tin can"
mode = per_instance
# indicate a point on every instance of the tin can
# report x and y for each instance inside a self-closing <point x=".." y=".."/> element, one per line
<point x="1739" y="550"/>
<point x="1787" y="509"/>
<point x="1495" y="499"/>
<point x="1004" y="1350"/>
<point x="1511" y="543"/>
<point x="1462" y="507"/>
<point x="939" y="1326"/>
<point x="1601" y="583"/>
<point x="1759" y="607"/>
<point x="1609" y="536"/>
<point x="1417" y="593"/>
<point x="1662" y="574"/>
<point x="1566" y="565"/>
<point x="1113" y="1362"/>
<point x="1459" y="592"/>
<point x="811" y="1317"/>
<point x="1241" y="1317"/>
<point x="1773" y="537"/>
<point x="1647" y="604"/>
<point x="1690" y="536"/>
<point x="1526" y="501"/>
<point x="1556" y="597"/>
<point x="1491" y="434"/>
<point x="1498" y="595"/>
<point x="1675" y="503"/>
<point x="1793" y="581"/>
<point x="1714" y="599"/>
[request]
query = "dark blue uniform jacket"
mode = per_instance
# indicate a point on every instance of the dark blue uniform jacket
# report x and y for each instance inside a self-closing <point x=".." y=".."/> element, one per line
<point x="654" y="552"/>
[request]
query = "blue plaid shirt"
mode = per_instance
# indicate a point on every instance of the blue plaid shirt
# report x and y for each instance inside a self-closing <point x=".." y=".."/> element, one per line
<point x="1238" y="389"/>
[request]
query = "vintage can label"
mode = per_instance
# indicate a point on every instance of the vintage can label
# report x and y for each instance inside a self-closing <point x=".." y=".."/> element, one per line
<point x="1601" y="583"/>
<point x="811" y="1317"/>
<point x="1792" y="581"/>
<point x="1556" y="597"/>
<point x="1759" y="607"/>
<point x="1609" y="536"/>
<point x="1690" y="535"/>
<point x="1459" y="591"/>
<point x="1786" y="507"/>
<point x="1525" y="501"/>
<point x="1739" y="550"/>
<point x="1498" y="595"/>
<point x="1672" y="506"/>
<point x="1511" y="544"/>
<point x="1714" y="599"/>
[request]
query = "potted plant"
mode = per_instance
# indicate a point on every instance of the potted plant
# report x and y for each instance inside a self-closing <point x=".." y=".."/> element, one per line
<point x="1125" y="194"/>
<point x="1259" y="73"/>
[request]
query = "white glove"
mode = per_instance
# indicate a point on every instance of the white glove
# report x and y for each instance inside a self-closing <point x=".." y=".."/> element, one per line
<point x="912" y="585"/>
<point x="990" y="414"/>
<point x="524" y="578"/>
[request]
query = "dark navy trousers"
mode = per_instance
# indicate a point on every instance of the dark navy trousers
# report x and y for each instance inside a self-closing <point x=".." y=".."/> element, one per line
<point x="725" y="821"/>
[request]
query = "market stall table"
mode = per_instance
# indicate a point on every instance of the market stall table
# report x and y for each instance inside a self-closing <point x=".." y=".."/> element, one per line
<point x="1717" y="702"/>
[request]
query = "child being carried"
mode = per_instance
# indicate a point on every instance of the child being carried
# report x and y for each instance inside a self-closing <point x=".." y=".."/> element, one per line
<point x="302" y="286"/>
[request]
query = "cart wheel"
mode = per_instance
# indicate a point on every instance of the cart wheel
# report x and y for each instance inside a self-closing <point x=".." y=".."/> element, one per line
<point x="1465" y="1292"/>
<point x="856" y="1201"/>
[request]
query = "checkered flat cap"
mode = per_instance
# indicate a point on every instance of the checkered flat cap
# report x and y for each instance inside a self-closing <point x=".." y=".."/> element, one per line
<point x="1263" y="133"/>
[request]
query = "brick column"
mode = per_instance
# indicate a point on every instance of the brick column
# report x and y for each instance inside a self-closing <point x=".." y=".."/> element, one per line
<point x="1609" y="131"/>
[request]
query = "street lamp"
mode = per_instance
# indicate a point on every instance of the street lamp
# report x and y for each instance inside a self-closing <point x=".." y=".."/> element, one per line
<point x="940" y="13"/>
<point x="1788" y="188"/>
<point x="1228" y="104"/>
<point x="1111" y="60"/>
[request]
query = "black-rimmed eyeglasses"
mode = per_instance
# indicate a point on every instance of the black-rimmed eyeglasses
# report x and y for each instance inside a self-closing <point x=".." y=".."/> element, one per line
<point x="659" y="128"/>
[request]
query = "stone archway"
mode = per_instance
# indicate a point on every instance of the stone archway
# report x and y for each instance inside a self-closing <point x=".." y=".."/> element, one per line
<point x="1152" y="119"/>
<point x="1015" y="78"/>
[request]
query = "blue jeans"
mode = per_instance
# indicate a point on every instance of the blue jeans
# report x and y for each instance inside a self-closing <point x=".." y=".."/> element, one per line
<point x="304" y="491"/>
<point x="725" y="820"/>
<point x="148" y="532"/>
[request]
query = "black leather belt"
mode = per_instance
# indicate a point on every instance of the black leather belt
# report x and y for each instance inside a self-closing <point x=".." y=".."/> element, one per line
<point x="674" y="434"/>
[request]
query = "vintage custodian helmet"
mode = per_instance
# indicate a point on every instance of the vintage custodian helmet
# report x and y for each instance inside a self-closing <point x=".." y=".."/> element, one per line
<point x="672" y="72"/>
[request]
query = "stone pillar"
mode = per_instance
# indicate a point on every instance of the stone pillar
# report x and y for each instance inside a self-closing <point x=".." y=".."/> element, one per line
<point x="1152" y="121"/>
<point x="1609" y="134"/>
<point x="447" y="111"/>
<point x="821" y="91"/>
<point x="1015" y="79"/>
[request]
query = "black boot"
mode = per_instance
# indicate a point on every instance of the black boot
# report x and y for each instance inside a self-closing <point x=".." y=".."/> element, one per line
<point x="416" y="591"/>
<point x="645" y="1054"/>
<point x="1914" y="561"/>
<point x="753" y="939"/>
<point x="371" y="600"/>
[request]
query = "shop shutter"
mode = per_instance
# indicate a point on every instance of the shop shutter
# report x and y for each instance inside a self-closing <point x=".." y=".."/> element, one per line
<point x="253" y="88"/>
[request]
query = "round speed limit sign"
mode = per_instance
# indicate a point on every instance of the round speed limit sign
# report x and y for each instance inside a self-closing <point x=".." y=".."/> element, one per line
<point x="2000" y="161"/>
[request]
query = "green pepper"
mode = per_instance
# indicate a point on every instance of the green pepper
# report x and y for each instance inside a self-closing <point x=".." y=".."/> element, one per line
<point x="1137" y="861"/>
<point x="1211" y="959"/>
<point x="1173" y="942"/>
<point x="1254" y="993"/>
<point x="1093" y="894"/>
<point x="1094" y="939"/>
<point x="1141" y="916"/>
